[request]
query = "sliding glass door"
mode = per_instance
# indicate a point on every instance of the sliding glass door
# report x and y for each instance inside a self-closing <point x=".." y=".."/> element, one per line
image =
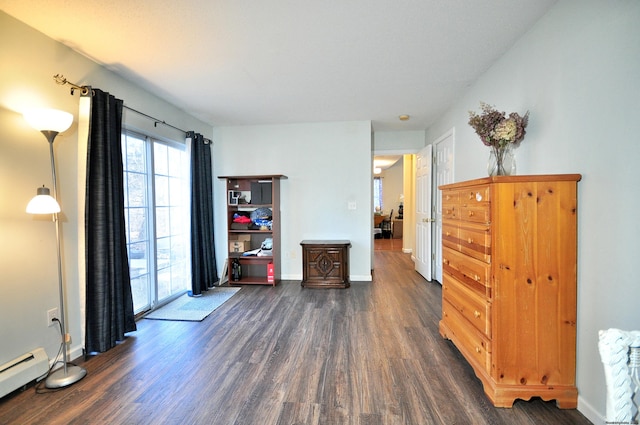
<point x="157" y="213"/>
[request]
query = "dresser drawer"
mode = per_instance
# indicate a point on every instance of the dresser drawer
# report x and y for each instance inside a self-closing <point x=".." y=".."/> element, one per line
<point x="475" y="213"/>
<point x="472" y="344"/>
<point x="469" y="304"/>
<point x="475" y="240"/>
<point x="475" y="204"/>
<point x="450" y="204"/>
<point x="475" y="194"/>
<point x="450" y="238"/>
<point x="450" y="197"/>
<point x="471" y="272"/>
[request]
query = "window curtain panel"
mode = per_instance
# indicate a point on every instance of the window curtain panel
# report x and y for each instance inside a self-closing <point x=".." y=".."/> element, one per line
<point x="203" y="258"/>
<point x="109" y="302"/>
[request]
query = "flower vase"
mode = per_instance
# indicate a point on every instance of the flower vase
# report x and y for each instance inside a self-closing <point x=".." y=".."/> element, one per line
<point x="502" y="161"/>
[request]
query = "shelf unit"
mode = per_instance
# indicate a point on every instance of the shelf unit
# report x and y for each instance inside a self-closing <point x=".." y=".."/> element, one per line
<point x="244" y="195"/>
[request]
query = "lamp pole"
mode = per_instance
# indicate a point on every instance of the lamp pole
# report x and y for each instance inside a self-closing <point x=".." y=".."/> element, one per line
<point x="66" y="375"/>
<point x="44" y="120"/>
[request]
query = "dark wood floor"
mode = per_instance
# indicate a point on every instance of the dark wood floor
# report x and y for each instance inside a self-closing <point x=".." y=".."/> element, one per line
<point x="369" y="354"/>
<point x="387" y="244"/>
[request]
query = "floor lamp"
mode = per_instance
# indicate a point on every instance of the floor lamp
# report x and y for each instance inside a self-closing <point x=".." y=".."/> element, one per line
<point x="51" y="122"/>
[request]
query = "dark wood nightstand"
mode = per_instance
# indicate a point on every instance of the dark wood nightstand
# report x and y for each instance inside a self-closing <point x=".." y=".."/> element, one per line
<point x="325" y="263"/>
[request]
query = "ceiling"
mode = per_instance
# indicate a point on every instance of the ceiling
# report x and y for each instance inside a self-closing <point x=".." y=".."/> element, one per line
<point x="385" y="161"/>
<point x="242" y="62"/>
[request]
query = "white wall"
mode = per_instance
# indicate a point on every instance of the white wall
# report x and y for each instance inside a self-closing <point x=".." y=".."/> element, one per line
<point x="28" y="281"/>
<point x="327" y="166"/>
<point x="395" y="142"/>
<point x="578" y="72"/>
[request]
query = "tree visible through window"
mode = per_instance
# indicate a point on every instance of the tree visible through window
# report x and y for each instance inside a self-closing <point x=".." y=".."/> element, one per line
<point x="157" y="215"/>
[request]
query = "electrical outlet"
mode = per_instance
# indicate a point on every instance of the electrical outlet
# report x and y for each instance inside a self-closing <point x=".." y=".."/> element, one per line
<point x="51" y="315"/>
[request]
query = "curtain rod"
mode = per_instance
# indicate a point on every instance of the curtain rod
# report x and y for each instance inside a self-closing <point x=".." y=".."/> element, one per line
<point x="59" y="79"/>
<point x="156" y="121"/>
<point x="84" y="90"/>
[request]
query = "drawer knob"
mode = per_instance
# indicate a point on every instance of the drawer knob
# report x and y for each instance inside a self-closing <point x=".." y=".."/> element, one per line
<point x="476" y="314"/>
<point x="470" y="240"/>
<point x="477" y="278"/>
<point x="471" y="214"/>
<point x="477" y="349"/>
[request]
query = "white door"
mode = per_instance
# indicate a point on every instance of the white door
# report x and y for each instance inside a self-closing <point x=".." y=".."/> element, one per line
<point x="443" y="165"/>
<point x="423" y="212"/>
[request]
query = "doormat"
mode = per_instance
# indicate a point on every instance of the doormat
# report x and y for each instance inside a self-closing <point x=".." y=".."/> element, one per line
<point x="193" y="309"/>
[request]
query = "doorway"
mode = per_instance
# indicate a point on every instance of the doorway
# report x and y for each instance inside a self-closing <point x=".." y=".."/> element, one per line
<point x="441" y="166"/>
<point x="388" y="199"/>
<point x="443" y="172"/>
<point x="434" y="167"/>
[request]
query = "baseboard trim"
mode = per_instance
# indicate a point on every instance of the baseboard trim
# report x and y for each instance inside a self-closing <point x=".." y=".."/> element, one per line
<point x="590" y="412"/>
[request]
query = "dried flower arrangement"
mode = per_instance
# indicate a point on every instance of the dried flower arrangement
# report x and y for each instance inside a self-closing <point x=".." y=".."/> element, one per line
<point x="496" y="129"/>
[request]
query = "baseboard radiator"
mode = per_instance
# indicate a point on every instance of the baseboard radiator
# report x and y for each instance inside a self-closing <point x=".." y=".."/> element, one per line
<point x="22" y="370"/>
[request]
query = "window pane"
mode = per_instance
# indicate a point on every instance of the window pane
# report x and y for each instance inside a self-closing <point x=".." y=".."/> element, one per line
<point x="140" y="292"/>
<point x="138" y="259"/>
<point x="136" y="189"/>
<point x="162" y="222"/>
<point x="178" y="251"/>
<point x="164" y="284"/>
<point x="163" y="245"/>
<point x="137" y="215"/>
<point x="176" y="192"/>
<point x="177" y="162"/>
<point x="135" y="154"/>
<point x="137" y="224"/>
<point x="377" y="194"/>
<point x="160" y="159"/>
<point x="162" y="191"/>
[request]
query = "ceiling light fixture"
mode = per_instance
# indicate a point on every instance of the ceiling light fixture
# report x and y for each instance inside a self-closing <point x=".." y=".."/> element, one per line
<point x="404" y="117"/>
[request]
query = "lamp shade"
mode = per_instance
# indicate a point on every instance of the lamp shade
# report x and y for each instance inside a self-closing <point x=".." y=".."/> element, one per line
<point x="48" y="119"/>
<point x="43" y="203"/>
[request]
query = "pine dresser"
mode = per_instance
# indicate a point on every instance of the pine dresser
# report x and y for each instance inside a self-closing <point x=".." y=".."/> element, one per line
<point x="509" y="283"/>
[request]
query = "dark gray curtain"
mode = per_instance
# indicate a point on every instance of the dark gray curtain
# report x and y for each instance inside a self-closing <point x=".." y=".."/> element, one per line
<point x="109" y="303"/>
<point x="203" y="257"/>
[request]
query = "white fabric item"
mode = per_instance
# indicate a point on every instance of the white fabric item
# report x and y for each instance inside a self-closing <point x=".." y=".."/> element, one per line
<point x="614" y="347"/>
